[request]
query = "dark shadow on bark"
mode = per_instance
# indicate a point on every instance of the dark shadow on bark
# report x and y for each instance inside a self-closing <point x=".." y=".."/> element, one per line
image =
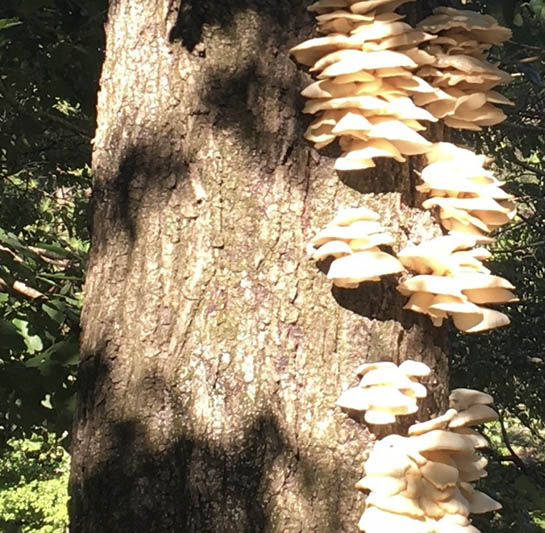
<point x="193" y="15"/>
<point x="129" y="189"/>
<point x="206" y="487"/>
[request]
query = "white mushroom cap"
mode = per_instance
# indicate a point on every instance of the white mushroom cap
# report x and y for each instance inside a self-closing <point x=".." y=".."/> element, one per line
<point x="479" y="502"/>
<point x="346" y="233"/>
<point x="362" y="266"/>
<point x="356" y="399"/>
<point x="385" y="376"/>
<point x="415" y="368"/>
<point x="439" y="422"/>
<point x="473" y="416"/>
<point x="367" y="367"/>
<point x="431" y="284"/>
<point x="439" y="474"/>
<point x="442" y="440"/>
<point x="383" y="485"/>
<point x="379" y="416"/>
<point x="461" y="399"/>
<point x="477" y="440"/>
<point x="374" y="519"/>
<point x="395" y="504"/>
<point x="332" y="248"/>
<point x="489" y="319"/>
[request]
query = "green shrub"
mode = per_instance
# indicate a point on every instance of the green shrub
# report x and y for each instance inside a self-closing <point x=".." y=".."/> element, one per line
<point x="33" y="486"/>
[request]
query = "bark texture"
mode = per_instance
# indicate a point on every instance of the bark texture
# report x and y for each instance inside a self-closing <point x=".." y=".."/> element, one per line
<point x="213" y="350"/>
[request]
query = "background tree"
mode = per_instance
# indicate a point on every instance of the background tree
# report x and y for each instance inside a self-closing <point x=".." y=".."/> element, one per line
<point x="213" y="352"/>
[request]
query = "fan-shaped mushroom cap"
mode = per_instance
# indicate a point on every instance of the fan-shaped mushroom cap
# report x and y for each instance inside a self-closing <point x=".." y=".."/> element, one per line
<point x="371" y="149"/>
<point x="402" y="136"/>
<point x="442" y="440"/>
<point x="419" y="302"/>
<point x="439" y="422"/>
<point x="469" y="281"/>
<point x="383" y="485"/>
<point x="384" y="376"/>
<point x="473" y="416"/>
<point x="468" y="463"/>
<point x="414" y="389"/>
<point x="389" y="458"/>
<point x="415" y="368"/>
<point x="456" y="505"/>
<point x="332" y="248"/>
<point x="461" y="399"/>
<point x="352" y="123"/>
<point x="361" y="266"/>
<point x="451" y="304"/>
<point x="490" y="319"/>
<point x="378" y="6"/>
<point x="431" y="284"/>
<point x="440" y="475"/>
<point x="490" y="296"/>
<point x="484" y="27"/>
<point x="371" y="241"/>
<point x="479" y="502"/>
<point x="367" y="367"/>
<point x="395" y="504"/>
<point x="346" y="233"/>
<point x="379" y="416"/>
<point x="476" y="439"/>
<point x="348" y="61"/>
<point x="374" y="519"/>
<point x="355" y="399"/>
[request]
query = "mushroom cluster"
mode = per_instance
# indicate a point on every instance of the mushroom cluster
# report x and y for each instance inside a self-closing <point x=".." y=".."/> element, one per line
<point x="455" y="64"/>
<point x="452" y="281"/>
<point x="353" y="239"/>
<point x="386" y="390"/>
<point x="423" y="483"/>
<point x="364" y="66"/>
<point x="469" y="198"/>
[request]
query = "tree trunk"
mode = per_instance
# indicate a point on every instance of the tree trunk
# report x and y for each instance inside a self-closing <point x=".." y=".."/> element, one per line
<point x="213" y="350"/>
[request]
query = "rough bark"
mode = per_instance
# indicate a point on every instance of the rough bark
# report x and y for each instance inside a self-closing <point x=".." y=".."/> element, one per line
<point x="213" y="350"/>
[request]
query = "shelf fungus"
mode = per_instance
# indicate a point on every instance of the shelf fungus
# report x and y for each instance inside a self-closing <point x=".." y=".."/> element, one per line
<point x="364" y="94"/>
<point x="456" y="67"/>
<point x="386" y="391"/>
<point x="452" y="281"/>
<point x="423" y="483"/>
<point x="468" y="198"/>
<point x="353" y="239"/>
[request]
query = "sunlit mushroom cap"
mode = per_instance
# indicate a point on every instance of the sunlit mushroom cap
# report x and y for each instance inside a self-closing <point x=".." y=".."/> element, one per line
<point x="476" y="439"/>
<point x="386" y="486"/>
<point x="367" y="367"/>
<point x="378" y="6"/>
<point x="346" y="233"/>
<point x="439" y="422"/>
<point x="362" y="266"/>
<point x="473" y="416"/>
<point x="415" y="368"/>
<point x="431" y="284"/>
<point x="461" y="399"/>
<point x="489" y="319"/>
<point x="479" y="502"/>
<point x="333" y="249"/>
<point x="442" y="440"/>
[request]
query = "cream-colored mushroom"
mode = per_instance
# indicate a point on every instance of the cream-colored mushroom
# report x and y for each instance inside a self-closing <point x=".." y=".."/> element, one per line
<point x="473" y="416"/>
<point x="461" y="398"/>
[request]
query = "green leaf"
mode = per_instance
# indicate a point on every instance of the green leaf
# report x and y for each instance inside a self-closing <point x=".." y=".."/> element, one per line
<point x="9" y="23"/>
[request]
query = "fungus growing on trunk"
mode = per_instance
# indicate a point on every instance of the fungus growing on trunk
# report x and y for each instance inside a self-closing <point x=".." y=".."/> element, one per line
<point x="386" y="391"/>
<point x="353" y="239"/>
<point x="423" y="482"/>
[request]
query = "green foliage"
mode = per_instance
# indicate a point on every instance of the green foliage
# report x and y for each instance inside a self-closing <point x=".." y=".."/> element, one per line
<point x="509" y="363"/>
<point x="33" y="486"/>
<point x="50" y="55"/>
